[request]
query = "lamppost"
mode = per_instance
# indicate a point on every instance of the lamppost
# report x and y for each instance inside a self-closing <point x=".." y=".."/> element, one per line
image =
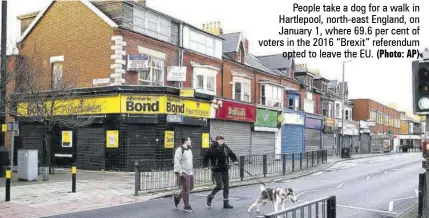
<point x="343" y="109"/>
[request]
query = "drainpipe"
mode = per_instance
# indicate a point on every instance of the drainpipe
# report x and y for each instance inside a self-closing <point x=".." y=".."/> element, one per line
<point x="254" y="89"/>
<point x="221" y="73"/>
<point x="180" y="50"/>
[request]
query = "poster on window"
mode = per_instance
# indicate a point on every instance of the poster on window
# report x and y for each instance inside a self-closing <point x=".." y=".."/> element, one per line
<point x="112" y="140"/>
<point x="137" y="62"/>
<point x="67" y="139"/>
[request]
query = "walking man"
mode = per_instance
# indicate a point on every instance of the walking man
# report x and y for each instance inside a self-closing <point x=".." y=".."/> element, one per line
<point x="183" y="168"/>
<point x="219" y="154"/>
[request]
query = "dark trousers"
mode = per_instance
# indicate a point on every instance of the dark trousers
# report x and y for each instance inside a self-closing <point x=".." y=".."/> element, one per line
<point x="222" y="179"/>
<point x="187" y="184"/>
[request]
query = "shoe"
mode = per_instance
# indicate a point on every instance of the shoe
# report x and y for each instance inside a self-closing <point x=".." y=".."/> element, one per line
<point x="176" y="201"/>
<point x="226" y="205"/>
<point x="209" y="201"/>
<point x="188" y="209"/>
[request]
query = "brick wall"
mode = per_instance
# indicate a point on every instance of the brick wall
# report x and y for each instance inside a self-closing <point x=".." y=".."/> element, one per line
<point x="361" y="109"/>
<point x="228" y="69"/>
<point x="83" y="40"/>
<point x="134" y="40"/>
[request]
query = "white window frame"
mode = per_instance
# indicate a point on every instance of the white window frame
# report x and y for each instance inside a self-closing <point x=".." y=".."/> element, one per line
<point x="271" y="101"/>
<point x="244" y="81"/>
<point x="143" y="27"/>
<point x="205" y="71"/>
<point x="152" y="69"/>
<point x="309" y="106"/>
<point x="337" y="110"/>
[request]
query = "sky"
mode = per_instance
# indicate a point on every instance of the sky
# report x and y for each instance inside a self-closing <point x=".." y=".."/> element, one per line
<point x="386" y="81"/>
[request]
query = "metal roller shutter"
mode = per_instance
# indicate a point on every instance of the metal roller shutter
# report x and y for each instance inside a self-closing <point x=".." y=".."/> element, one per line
<point x="90" y="148"/>
<point x="195" y="133"/>
<point x="237" y="135"/>
<point x="142" y="144"/>
<point x="292" y="139"/>
<point x="328" y="143"/>
<point x="313" y="139"/>
<point x="32" y="138"/>
<point x="263" y="143"/>
<point x="365" y="140"/>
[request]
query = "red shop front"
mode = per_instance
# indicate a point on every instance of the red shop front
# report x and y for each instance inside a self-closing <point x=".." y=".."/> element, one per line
<point x="233" y="121"/>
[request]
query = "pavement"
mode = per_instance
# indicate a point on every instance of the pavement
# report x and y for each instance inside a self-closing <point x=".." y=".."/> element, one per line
<point x="382" y="186"/>
<point x="97" y="189"/>
<point x="413" y="212"/>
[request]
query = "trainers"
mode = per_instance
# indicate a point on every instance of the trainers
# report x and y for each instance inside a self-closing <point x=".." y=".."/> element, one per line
<point x="188" y="209"/>
<point x="176" y="201"/>
<point x="209" y="201"/>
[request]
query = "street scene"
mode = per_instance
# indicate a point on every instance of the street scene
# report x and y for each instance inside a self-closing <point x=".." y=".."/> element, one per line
<point x="144" y="108"/>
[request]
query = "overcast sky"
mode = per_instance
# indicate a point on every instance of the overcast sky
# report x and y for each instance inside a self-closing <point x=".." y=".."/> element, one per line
<point x="387" y="81"/>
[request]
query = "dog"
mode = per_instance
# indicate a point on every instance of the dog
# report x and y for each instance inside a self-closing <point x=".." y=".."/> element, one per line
<point x="277" y="197"/>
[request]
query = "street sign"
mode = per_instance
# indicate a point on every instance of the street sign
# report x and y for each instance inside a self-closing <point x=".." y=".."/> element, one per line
<point x="174" y="118"/>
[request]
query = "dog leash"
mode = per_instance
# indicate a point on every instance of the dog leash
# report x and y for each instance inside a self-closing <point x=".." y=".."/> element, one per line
<point x="253" y="176"/>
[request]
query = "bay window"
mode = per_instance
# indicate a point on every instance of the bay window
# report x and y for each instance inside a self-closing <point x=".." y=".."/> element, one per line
<point x="204" y="79"/>
<point x="271" y="96"/>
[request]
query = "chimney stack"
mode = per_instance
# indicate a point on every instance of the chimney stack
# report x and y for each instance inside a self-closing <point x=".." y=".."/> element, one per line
<point x="213" y="28"/>
<point x="246" y="46"/>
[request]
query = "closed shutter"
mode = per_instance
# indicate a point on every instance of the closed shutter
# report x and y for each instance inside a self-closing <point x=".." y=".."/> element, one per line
<point x="313" y="139"/>
<point x="263" y="143"/>
<point x="90" y="147"/>
<point x="142" y="142"/>
<point x="32" y="138"/>
<point x="292" y="139"/>
<point x="195" y="133"/>
<point x="328" y="143"/>
<point x="365" y="140"/>
<point x="237" y="135"/>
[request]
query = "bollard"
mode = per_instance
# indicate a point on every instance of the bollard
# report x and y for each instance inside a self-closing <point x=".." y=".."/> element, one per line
<point x="241" y="168"/>
<point x="293" y="162"/>
<point x="300" y="161"/>
<point x="136" y="178"/>
<point x="306" y="157"/>
<point x="312" y="158"/>
<point x="317" y="157"/>
<point x="8" y="177"/>
<point x="74" y="178"/>
<point x="264" y="165"/>
<point x="284" y="164"/>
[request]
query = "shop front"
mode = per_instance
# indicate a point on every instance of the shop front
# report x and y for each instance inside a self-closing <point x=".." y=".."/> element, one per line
<point x="293" y="132"/>
<point x="329" y="136"/>
<point x="264" y="132"/>
<point x="234" y="121"/>
<point x="365" y="136"/>
<point x="122" y="128"/>
<point x="350" y="135"/>
<point x="313" y="132"/>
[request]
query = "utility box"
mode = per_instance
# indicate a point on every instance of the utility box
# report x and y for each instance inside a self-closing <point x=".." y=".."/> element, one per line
<point x="345" y="153"/>
<point x="27" y="165"/>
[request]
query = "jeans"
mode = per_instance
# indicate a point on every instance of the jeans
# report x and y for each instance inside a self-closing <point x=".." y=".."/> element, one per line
<point x="222" y="179"/>
<point x="187" y="184"/>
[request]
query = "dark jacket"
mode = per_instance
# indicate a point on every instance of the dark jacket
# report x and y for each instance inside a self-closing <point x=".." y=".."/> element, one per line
<point x="219" y="156"/>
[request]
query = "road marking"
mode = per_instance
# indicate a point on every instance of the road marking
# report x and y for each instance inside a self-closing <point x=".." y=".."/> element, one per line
<point x="300" y="194"/>
<point x="340" y="185"/>
<point x="203" y="195"/>
<point x="367" y="178"/>
<point x="318" y="173"/>
<point x="400" y="199"/>
<point x="391" y="206"/>
<point x="367" y="209"/>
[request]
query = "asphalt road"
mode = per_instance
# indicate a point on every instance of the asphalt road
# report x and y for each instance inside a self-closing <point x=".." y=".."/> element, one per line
<point x="382" y="186"/>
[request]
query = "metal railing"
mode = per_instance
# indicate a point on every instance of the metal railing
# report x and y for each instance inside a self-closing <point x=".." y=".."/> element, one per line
<point x="324" y="207"/>
<point x="158" y="174"/>
<point x="422" y="194"/>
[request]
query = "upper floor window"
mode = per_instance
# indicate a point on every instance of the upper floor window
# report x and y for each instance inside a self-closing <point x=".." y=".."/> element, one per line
<point x="271" y="96"/>
<point x="202" y="43"/>
<point x="204" y="79"/>
<point x="373" y="116"/>
<point x="57" y="74"/>
<point x="337" y="110"/>
<point x="154" y="75"/>
<point x="57" y="71"/>
<point x="151" y="24"/>
<point x="327" y="109"/>
<point x="309" y="83"/>
<point x="347" y="114"/>
<point x="241" y="87"/>
<point x="293" y="103"/>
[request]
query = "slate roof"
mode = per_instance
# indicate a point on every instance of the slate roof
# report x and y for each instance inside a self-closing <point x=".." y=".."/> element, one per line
<point x="276" y="61"/>
<point x="230" y="42"/>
